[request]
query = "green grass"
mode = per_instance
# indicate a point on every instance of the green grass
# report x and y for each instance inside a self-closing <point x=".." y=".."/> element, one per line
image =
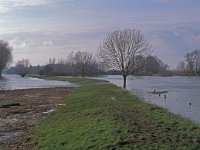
<point x="101" y="117"/>
<point x="79" y="80"/>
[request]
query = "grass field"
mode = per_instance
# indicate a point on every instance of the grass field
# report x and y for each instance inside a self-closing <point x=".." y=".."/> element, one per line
<point x="107" y="117"/>
<point x="79" y="80"/>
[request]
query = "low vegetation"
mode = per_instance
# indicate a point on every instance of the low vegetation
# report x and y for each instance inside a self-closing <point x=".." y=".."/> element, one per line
<point x="107" y="117"/>
<point x="79" y="80"/>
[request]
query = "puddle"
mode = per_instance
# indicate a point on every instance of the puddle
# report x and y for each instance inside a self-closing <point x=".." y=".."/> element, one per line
<point x="6" y="135"/>
<point x="17" y="123"/>
<point x="10" y="121"/>
<point x="24" y="115"/>
<point x="49" y="111"/>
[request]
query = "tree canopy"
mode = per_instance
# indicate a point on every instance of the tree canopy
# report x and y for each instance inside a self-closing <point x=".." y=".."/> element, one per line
<point x="22" y="67"/>
<point x="5" y="55"/>
<point x="122" y="49"/>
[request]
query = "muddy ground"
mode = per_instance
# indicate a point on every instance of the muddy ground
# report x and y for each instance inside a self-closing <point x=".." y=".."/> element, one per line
<point x="20" y="111"/>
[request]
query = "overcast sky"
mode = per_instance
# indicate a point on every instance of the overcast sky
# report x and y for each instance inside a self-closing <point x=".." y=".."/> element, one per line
<point x="40" y="29"/>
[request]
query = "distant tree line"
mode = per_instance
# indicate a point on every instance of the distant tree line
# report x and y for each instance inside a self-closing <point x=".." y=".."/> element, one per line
<point x="123" y="52"/>
<point x="77" y="64"/>
<point x="153" y="66"/>
<point x="191" y="64"/>
<point x="150" y="65"/>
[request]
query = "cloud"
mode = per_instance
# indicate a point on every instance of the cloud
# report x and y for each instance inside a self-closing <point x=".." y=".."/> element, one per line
<point x="38" y="47"/>
<point x="47" y="43"/>
<point x="49" y="28"/>
<point x="8" y="5"/>
<point x="16" y="44"/>
<point x="173" y="42"/>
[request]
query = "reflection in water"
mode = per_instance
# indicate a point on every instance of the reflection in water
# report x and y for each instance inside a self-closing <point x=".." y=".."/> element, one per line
<point x="4" y="83"/>
<point x="12" y="82"/>
<point x="182" y="97"/>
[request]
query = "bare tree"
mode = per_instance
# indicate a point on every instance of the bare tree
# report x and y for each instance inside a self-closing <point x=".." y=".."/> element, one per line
<point x="54" y="67"/>
<point x="120" y="51"/>
<point x="72" y="64"/>
<point x="82" y="59"/>
<point x="52" y="61"/>
<point x="23" y="67"/>
<point x="5" y="55"/>
<point x="181" y="67"/>
<point x="193" y="62"/>
<point x="83" y="62"/>
<point x="154" y="65"/>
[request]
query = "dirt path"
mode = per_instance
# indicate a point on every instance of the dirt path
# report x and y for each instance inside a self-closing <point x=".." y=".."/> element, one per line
<point x="20" y="110"/>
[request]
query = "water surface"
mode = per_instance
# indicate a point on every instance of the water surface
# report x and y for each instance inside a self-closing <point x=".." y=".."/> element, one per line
<point x="13" y="82"/>
<point x="181" y="92"/>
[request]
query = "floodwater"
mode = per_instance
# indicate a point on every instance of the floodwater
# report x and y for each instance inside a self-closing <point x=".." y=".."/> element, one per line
<point x="13" y="82"/>
<point x="183" y="97"/>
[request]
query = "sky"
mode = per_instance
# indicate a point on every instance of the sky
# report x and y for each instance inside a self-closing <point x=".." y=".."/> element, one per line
<point x="43" y="29"/>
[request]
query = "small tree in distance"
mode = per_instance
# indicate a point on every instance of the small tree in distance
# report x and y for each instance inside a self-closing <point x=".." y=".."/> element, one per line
<point x="121" y="49"/>
<point x="83" y="63"/>
<point x="22" y="67"/>
<point x="5" y="55"/>
<point x="193" y="62"/>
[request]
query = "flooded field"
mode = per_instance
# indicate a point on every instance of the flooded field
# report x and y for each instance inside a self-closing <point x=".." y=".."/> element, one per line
<point x="23" y="102"/>
<point x="13" y="82"/>
<point x="21" y="109"/>
<point x="182" y="97"/>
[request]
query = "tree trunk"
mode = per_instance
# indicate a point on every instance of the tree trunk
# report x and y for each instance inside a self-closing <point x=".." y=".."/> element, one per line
<point x="124" y="86"/>
<point x="1" y="72"/>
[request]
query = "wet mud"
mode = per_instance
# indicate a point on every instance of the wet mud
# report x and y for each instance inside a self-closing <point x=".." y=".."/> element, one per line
<point x="21" y="110"/>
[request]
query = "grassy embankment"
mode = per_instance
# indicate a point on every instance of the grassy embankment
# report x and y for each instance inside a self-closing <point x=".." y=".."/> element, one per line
<point x="107" y="117"/>
<point x="79" y="80"/>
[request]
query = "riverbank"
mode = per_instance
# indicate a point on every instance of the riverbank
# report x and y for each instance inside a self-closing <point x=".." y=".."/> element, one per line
<point x="78" y="80"/>
<point x="20" y="111"/>
<point x="108" y="117"/>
